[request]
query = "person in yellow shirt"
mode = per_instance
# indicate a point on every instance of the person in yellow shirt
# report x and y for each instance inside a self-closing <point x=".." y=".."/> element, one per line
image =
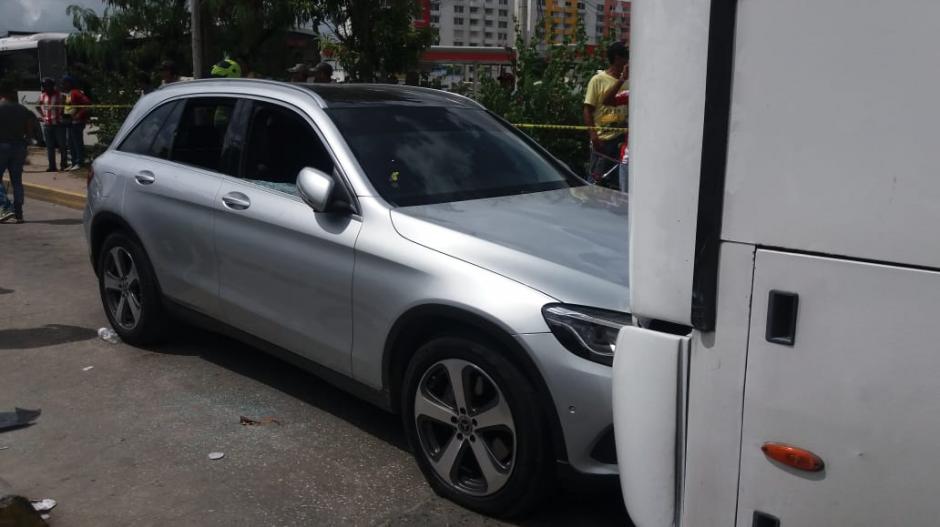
<point x="605" y="144"/>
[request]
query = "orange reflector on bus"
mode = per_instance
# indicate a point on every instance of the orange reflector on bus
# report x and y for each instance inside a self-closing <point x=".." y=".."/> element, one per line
<point x="792" y="456"/>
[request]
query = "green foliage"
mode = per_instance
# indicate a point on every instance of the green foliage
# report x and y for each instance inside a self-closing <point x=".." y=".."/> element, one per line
<point x="550" y="83"/>
<point x="131" y="37"/>
<point x="254" y="31"/>
<point x="115" y="55"/>
<point x="375" y="38"/>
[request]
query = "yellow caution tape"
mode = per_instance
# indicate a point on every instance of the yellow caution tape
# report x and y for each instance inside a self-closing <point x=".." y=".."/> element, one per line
<point x="569" y="127"/>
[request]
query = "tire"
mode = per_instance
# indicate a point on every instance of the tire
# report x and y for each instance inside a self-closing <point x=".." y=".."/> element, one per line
<point x="442" y="433"/>
<point x="125" y="273"/>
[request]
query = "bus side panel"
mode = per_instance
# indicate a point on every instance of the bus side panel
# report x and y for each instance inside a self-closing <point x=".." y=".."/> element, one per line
<point x="859" y="387"/>
<point x="52" y="62"/>
<point x="833" y="142"/>
<point x="667" y="104"/>
<point x="716" y="390"/>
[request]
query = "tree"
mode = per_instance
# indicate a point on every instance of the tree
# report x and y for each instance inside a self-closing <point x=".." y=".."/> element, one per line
<point x="251" y="29"/>
<point x="115" y="54"/>
<point x="550" y="83"/>
<point x="131" y="36"/>
<point x="375" y="38"/>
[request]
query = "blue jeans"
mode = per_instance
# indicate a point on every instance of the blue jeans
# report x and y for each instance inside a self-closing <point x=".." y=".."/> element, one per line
<point x="54" y="136"/>
<point x="12" y="158"/>
<point x="77" y="143"/>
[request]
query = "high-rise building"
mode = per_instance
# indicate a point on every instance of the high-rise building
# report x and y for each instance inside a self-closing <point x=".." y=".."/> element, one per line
<point x="614" y="21"/>
<point x="478" y="23"/>
<point x="560" y="18"/>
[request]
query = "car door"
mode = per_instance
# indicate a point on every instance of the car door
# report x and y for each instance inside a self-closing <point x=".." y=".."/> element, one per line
<point x="173" y="167"/>
<point x="285" y="271"/>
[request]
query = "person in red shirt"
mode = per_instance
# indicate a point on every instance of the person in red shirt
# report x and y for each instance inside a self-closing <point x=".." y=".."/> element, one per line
<point x="51" y="103"/>
<point x="615" y="97"/>
<point x="76" y="116"/>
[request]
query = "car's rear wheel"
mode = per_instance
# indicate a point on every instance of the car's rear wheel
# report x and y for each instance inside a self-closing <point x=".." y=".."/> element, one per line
<point x="475" y="427"/>
<point x="129" y="291"/>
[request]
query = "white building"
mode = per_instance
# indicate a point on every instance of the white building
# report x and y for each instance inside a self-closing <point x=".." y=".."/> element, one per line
<point x="477" y="23"/>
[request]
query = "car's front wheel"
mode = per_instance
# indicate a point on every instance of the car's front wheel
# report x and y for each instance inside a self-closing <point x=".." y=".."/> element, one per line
<point x="129" y="292"/>
<point x="475" y="427"/>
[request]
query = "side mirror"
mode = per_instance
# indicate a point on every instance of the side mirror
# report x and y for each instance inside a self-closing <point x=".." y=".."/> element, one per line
<point x="315" y="188"/>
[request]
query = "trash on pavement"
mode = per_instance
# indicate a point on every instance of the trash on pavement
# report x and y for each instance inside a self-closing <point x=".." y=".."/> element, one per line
<point x="17" y="418"/>
<point x="43" y="505"/>
<point x="86" y="368"/>
<point x="216" y="455"/>
<point x="16" y="510"/>
<point x="109" y="335"/>
<point x="247" y="421"/>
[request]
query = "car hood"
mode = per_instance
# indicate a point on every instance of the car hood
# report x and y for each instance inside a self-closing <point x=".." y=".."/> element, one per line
<point x="571" y="244"/>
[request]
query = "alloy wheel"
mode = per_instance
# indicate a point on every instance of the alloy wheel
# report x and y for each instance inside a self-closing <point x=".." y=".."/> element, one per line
<point x="465" y="427"/>
<point x="122" y="288"/>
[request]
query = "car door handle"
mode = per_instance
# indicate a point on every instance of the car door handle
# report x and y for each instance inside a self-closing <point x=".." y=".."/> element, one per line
<point x="145" y="177"/>
<point x="236" y="201"/>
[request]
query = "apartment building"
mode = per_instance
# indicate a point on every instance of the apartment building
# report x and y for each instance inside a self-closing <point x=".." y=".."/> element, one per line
<point x="560" y="18"/>
<point x="475" y="23"/>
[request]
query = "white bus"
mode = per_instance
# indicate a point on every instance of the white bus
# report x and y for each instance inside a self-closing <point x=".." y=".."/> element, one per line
<point x="785" y="200"/>
<point x="28" y="58"/>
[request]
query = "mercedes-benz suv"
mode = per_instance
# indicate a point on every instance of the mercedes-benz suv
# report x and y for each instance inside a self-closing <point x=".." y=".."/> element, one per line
<point x="403" y="243"/>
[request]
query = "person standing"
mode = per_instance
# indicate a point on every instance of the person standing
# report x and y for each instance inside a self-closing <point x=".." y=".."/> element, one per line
<point x="323" y="73"/>
<point x="75" y="116"/>
<point x="51" y="104"/>
<point x="298" y="73"/>
<point x="16" y="124"/>
<point x="168" y="73"/>
<point x="600" y="117"/>
<point x="616" y="97"/>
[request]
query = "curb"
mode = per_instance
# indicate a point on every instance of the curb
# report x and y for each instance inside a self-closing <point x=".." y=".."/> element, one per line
<point x="64" y="198"/>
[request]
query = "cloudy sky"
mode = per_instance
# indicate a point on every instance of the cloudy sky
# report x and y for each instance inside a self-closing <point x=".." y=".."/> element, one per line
<point x="40" y="15"/>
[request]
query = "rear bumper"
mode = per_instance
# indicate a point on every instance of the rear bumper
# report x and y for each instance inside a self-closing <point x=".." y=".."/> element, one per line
<point x="581" y="392"/>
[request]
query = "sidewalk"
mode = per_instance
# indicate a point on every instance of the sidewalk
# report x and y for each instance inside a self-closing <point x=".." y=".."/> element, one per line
<point x="62" y="188"/>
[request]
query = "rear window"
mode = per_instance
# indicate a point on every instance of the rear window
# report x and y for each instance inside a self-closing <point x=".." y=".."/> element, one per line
<point x="143" y="138"/>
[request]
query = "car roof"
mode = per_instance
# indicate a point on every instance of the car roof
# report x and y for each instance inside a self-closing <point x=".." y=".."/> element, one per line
<point x="331" y="95"/>
<point x="359" y="95"/>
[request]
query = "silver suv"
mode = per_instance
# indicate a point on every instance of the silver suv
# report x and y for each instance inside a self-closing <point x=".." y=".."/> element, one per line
<point x="403" y="243"/>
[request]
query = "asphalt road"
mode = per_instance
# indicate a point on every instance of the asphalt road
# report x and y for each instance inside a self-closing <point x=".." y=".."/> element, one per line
<point x="125" y="433"/>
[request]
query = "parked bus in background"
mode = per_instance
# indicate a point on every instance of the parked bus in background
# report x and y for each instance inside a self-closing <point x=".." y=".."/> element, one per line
<point x="785" y="269"/>
<point x="27" y="58"/>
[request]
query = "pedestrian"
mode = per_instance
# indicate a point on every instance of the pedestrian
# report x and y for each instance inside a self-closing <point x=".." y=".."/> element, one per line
<point x="16" y="124"/>
<point x="76" y="117"/>
<point x="617" y="97"/>
<point x="168" y="73"/>
<point x="323" y="73"/>
<point x="226" y="69"/>
<point x="51" y="103"/>
<point x="298" y="73"/>
<point x="600" y="117"/>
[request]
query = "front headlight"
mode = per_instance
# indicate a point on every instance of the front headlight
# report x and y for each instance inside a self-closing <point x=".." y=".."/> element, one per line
<point x="586" y="331"/>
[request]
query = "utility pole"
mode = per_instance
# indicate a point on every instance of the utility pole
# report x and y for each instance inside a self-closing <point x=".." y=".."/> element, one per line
<point x="196" y="23"/>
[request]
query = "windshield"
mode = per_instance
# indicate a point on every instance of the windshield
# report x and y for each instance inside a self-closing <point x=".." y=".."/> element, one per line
<point x="423" y="155"/>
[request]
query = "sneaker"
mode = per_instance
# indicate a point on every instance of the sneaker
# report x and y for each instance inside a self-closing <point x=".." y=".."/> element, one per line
<point x="73" y="168"/>
<point x="19" y="219"/>
<point x="6" y="214"/>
